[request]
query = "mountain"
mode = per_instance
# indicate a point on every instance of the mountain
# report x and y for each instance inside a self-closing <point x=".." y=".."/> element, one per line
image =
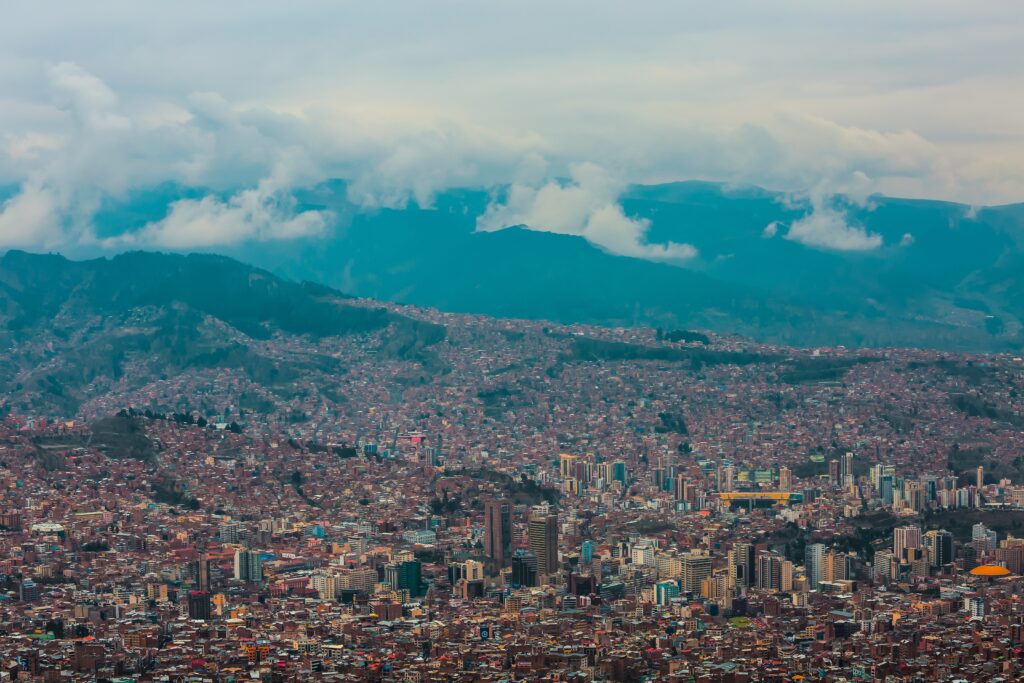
<point x="945" y="275"/>
<point x="73" y="328"/>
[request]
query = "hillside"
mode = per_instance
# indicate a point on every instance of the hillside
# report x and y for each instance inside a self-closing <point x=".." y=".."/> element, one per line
<point x="74" y="328"/>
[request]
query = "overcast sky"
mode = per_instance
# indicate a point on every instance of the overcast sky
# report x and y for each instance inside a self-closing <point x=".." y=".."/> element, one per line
<point x="405" y="99"/>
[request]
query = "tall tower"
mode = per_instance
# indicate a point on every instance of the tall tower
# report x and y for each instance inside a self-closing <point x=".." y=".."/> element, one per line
<point x="742" y="565"/>
<point x="905" y="538"/>
<point x="543" y="533"/>
<point x="814" y="557"/>
<point x="980" y="477"/>
<point x="498" y="531"/>
<point x="785" y="479"/>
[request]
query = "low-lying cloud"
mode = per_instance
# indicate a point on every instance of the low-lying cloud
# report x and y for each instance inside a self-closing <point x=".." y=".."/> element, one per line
<point x="586" y="206"/>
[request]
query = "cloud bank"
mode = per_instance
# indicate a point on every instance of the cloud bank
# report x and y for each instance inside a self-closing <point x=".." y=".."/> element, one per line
<point x="586" y="206"/>
<point x="98" y="101"/>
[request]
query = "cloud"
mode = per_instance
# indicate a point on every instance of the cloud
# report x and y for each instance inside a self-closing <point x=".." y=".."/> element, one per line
<point x="586" y="206"/>
<point x="103" y="100"/>
<point x="30" y="219"/>
<point x="253" y="214"/>
<point x="828" y="227"/>
<point x="770" y="230"/>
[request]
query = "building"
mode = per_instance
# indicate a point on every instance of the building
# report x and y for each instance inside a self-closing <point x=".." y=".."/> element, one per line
<point x="248" y="566"/>
<point x="814" y="556"/>
<point x="199" y="605"/>
<point x="695" y="568"/>
<point x="905" y="538"/>
<point x="407" y="576"/>
<point x="742" y="565"/>
<point x="543" y="537"/>
<point x="524" y="569"/>
<point x="498" y="531"/>
<point x="939" y="544"/>
<point x="785" y="479"/>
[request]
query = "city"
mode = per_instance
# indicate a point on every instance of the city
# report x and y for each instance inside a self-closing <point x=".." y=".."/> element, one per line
<point x="608" y="520"/>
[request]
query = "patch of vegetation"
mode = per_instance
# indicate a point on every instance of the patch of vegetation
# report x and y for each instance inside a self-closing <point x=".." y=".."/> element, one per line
<point x="672" y="422"/>
<point x="686" y="336"/>
<point x="812" y="370"/>
<point x="121" y="437"/>
<point x="589" y="349"/>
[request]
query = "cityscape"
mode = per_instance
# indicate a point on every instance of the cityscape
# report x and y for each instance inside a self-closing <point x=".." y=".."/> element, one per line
<point x="529" y="516"/>
<point x="584" y="341"/>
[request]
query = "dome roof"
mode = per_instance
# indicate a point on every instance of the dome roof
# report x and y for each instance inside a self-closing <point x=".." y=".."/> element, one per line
<point x="990" y="570"/>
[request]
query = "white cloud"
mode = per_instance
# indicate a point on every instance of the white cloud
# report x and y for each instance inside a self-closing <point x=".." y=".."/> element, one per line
<point x="770" y="230"/>
<point x="253" y="214"/>
<point x="828" y="227"/>
<point x="103" y="98"/>
<point x="587" y="206"/>
<point x="30" y="219"/>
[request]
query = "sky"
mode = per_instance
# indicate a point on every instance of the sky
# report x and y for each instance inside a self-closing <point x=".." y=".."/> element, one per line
<point x="406" y="99"/>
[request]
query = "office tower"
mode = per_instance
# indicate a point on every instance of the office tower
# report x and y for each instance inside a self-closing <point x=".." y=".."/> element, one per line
<point x="248" y="566"/>
<point x="769" y="571"/>
<point x="833" y="472"/>
<point x="905" y="538"/>
<point x="835" y="567"/>
<point x="406" y="576"/>
<point x="785" y="479"/>
<point x="543" y="536"/>
<point x="587" y="551"/>
<point x="28" y="591"/>
<point x="814" y="555"/>
<point x="881" y="568"/>
<point x="665" y="591"/>
<point x="914" y="495"/>
<point x="619" y="473"/>
<point x="199" y="606"/>
<point x="695" y="568"/>
<point x="847" y="469"/>
<point x="939" y="544"/>
<point x="566" y="465"/>
<point x="885" y="489"/>
<point x="730" y="475"/>
<point x="983" y="538"/>
<point x="498" y="531"/>
<point x="524" y="569"/>
<point x="741" y="565"/>
<point x="680" y="487"/>
<point x="980" y="478"/>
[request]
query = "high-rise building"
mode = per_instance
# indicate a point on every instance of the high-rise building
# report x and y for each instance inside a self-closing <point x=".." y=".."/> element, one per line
<point x="199" y="606"/>
<point x="587" y="551"/>
<point x="695" y="568"/>
<point x="665" y="592"/>
<point x="769" y="571"/>
<point x="835" y="566"/>
<point x="983" y="538"/>
<point x="814" y="555"/>
<point x="730" y="475"/>
<point x="980" y="477"/>
<point x="498" y="531"/>
<point x="939" y="544"/>
<point x="248" y="566"/>
<point x="785" y="479"/>
<point x="524" y="569"/>
<point x="567" y="465"/>
<point x="847" y="469"/>
<point x="833" y="472"/>
<point x="406" y="575"/>
<point x="543" y="536"/>
<point x="905" y="538"/>
<point x="742" y="565"/>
